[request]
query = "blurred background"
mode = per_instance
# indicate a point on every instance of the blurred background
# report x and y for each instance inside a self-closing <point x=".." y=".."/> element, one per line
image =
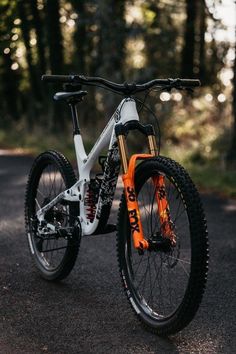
<point x="123" y="41"/>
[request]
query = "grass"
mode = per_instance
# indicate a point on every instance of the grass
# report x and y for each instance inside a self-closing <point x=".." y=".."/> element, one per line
<point x="37" y="140"/>
<point x="214" y="179"/>
<point x="210" y="176"/>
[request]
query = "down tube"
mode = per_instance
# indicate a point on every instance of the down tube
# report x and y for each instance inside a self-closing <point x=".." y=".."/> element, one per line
<point x="108" y="186"/>
<point x="125" y="112"/>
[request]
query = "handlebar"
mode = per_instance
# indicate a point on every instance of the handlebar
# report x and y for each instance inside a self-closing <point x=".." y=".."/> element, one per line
<point x="126" y="88"/>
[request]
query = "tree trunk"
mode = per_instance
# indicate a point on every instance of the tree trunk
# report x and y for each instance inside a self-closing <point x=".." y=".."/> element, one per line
<point x="80" y="36"/>
<point x="112" y="37"/>
<point x="111" y="44"/>
<point x="9" y="82"/>
<point x="25" y="28"/>
<point x="37" y="23"/>
<point x="187" y="70"/>
<point x="202" y="47"/>
<point x="54" y="37"/>
<point x="231" y="156"/>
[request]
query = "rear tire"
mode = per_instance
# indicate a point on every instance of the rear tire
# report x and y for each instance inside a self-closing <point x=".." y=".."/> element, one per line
<point x="164" y="288"/>
<point x="51" y="174"/>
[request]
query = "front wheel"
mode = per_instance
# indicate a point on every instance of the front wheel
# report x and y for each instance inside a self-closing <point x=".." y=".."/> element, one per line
<point x="164" y="285"/>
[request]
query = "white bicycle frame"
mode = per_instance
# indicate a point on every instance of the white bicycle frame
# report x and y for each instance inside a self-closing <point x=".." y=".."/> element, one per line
<point x="126" y="111"/>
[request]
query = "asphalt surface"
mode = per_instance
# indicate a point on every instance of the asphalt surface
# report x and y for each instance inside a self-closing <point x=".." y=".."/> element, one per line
<point x="88" y="311"/>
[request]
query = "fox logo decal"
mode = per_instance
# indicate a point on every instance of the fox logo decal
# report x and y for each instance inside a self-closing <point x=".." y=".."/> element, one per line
<point x="134" y="223"/>
<point x="131" y="194"/>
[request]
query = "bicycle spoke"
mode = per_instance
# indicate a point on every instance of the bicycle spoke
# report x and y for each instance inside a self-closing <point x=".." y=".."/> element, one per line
<point x="53" y="249"/>
<point x="43" y="195"/>
<point x="181" y="260"/>
<point x="38" y="205"/>
<point x="50" y="185"/>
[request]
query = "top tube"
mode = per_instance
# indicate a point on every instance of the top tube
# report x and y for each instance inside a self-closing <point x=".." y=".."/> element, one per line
<point x="126" y="88"/>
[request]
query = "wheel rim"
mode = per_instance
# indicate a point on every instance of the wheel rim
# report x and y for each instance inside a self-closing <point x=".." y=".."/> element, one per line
<point x="158" y="279"/>
<point x="50" y="250"/>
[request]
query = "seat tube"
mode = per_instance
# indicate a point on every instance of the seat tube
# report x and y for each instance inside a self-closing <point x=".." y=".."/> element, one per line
<point x="75" y="120"/>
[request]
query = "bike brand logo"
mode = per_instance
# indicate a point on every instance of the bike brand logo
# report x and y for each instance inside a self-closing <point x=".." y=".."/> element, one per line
<point x="131" y="194"/>
<point x="134" y="224"/>
<point x="117" y="116"/>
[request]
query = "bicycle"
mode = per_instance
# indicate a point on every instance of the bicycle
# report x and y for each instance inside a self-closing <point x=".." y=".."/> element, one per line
<point x="162" y="244"/>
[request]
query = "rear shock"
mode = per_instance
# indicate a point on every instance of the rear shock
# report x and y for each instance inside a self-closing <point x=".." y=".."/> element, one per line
<point x="91" y="198"/>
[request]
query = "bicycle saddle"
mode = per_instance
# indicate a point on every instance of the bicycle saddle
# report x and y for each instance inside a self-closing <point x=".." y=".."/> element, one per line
<point x="70" y="97"/>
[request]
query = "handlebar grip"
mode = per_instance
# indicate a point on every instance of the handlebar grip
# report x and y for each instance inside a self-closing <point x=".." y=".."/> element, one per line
<point x="190" y="82"/>
<point x="58" y="78"/>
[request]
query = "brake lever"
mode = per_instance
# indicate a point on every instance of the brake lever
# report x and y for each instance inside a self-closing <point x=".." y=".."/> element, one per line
<point x="173" y="84"/>
<point x="169" y="88"/>
<point x="180" y="88"/>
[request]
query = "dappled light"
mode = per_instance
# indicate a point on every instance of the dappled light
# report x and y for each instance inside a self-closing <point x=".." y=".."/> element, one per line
<point x="117" y="155"/>
<point x="121" y="41"/>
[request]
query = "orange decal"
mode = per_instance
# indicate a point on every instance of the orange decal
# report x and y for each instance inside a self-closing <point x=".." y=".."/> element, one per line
<point x="163" y="209"/>
<point x="132" y="205"/>
<point x="133" y="209"/>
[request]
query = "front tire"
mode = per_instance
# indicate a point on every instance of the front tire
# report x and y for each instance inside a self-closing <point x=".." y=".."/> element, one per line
<point x="54" y="255"/>
<point x="164" y="288"/>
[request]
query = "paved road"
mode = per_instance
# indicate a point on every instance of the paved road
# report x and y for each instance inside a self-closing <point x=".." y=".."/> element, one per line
<point x="88" y="312"/>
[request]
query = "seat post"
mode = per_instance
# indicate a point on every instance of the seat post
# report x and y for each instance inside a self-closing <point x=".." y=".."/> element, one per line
<point x="75" y="120"/>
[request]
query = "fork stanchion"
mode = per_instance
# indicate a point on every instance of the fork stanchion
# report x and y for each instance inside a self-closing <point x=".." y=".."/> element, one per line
<point x="152" y="145"/>
<point x="123" y="152"/>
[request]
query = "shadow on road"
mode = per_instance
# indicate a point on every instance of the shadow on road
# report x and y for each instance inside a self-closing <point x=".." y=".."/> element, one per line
<point x="88" y="312"/>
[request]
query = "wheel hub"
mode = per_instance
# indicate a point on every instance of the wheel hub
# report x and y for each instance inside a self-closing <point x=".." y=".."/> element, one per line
<point x="159" y="243"/>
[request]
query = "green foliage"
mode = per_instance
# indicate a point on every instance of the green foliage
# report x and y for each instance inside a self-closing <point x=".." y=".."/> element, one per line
<point x="36" y="140"/>
<point x="120" y="40"/>
<point x="211" y="178"/>
<point x="117" y="39"/>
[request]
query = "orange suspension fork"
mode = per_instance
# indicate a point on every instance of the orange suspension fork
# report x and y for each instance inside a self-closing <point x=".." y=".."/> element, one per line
<point x="129" y="188"/>
<point x="132" y="204"/>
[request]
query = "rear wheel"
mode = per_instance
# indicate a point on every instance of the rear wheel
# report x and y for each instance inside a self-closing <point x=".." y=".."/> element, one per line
<point x="164" y="285"/>
<point x="54" y="252"/>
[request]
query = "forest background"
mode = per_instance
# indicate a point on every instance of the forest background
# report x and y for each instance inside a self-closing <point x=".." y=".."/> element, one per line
<point x="132" y="40"/>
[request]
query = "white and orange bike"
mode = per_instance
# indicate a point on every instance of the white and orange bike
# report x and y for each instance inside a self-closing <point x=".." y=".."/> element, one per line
<point x="161" y="229"/>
